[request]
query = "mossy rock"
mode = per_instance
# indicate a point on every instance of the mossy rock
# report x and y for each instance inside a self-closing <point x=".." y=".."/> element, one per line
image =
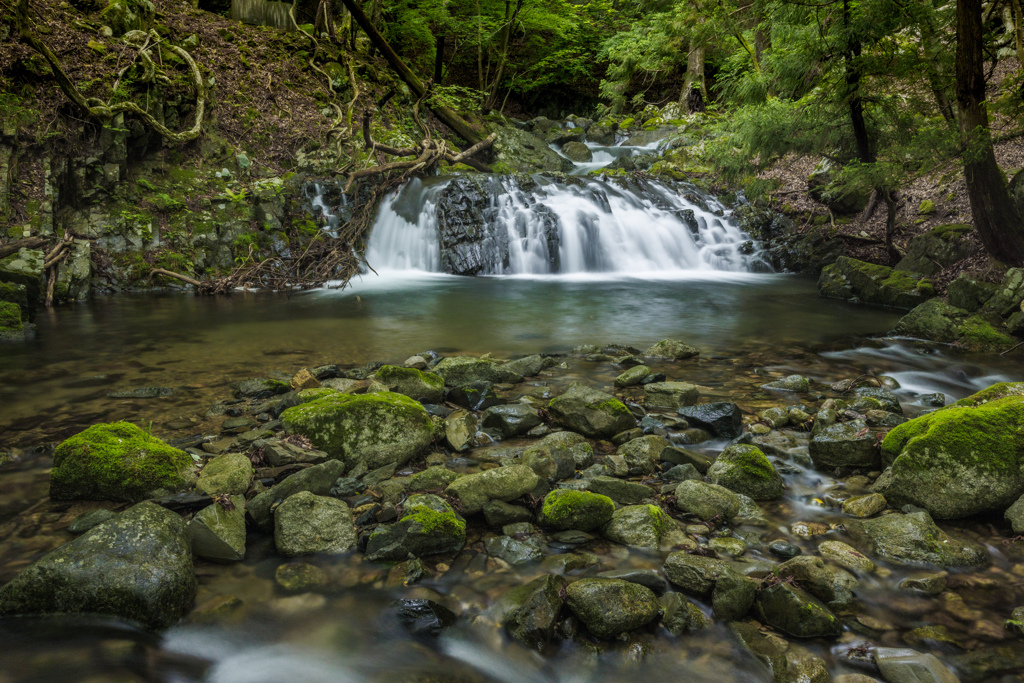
<point x="581" y="510"/>
<point x="745" y="469"/>
<point x="119" y="462"/>
<point x="128" y="15"/>
<point x="416" y="384"/>
<point x="869" y="283"/>
<point x="590" y="412"/>
<point x="11" y="327"/>
<point x="611" y="607"/>
<point x="936" y="320"/>
<point x="962" y="460"/>
<point x="15" y="294"/>
<point x="378" y="429"/>
<point x="914" y="540"/>
<point x="639" y="526"/>
<point x="936" y="249"/>
<point x="429" y="525"/>
<point x="462" y="370"/>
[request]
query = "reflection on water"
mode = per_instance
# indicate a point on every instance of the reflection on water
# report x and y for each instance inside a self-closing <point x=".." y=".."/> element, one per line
<point x="198" y="345"/>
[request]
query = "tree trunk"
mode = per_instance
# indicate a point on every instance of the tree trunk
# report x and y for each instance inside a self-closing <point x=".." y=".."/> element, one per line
<point x="996" y="217"/>
<point x="439" y="58"/>
<point x="851" y="65"/>
<point x="447" y="116"/>
<point x="511" y="16"/>
<point x="762" y="40"/>
<point x="693" y="94"/>
<point x="931" y="48"/>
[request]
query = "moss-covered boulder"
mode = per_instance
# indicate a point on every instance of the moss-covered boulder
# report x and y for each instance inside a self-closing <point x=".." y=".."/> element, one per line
<point x="639" y="526"/>
<point x="936" y="249"/>
<point x="11" y="326"/>
<point x="1008" y="295"/>
<point x="570" y="509"/>
<point x="26" y="269"/>
<point x="425" y="387"/>
<point x="429" y="525"/>
<point x="959" y="461"/>
<point x="869" y="283"/>
<point x="120" y="462"/>
<point x="128" y="15"/>
<point x="229" y="473"/>
<point x="379" y="429"/>
<point x="969" y="293"/>
<point x="913" y="539"/>
<point x="611" y="607"/>
<point x="590" y="412"/>
<point x="745" y="469"/>
<point x="503" y="483"/>
<point x="707" y="501"/>
<point x="938" y="321"/>
<point x="136" y="566"/>
<point x="460" y="370"/>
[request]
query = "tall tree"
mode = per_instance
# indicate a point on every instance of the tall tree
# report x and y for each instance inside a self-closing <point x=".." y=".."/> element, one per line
<point x="996" y="217"/>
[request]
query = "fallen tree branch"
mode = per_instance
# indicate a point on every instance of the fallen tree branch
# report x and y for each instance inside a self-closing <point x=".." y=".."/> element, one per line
<point x="17" y="245"/>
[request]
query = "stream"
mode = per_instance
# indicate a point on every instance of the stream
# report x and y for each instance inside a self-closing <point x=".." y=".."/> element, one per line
<point x="631" y="270"/>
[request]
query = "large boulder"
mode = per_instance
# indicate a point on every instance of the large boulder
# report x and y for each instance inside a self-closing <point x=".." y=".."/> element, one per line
<point x="611" y="607"/>
<point x="938" y="321"/>
<point x="745" y="469"/>
<point x="120" y="462"/>
<point x="503" y="483"/>
<point x="416" y="384"/>
<point x="580" y="510"/>
<point x="590" y="412"/>
<point x="461" y="370"/>
<point x="307" y="523"/>
<point x="379" y="429"/>
<point x="936" y="249"/>
<point x="962" y="460"/>
<point x="577" y="151"/>
<point x="869" y="283"/>
<point x="913" y="539"/>
<point x="429" y="525"/>
<point x="517" y="150"/>
<point x="136" y="566"/>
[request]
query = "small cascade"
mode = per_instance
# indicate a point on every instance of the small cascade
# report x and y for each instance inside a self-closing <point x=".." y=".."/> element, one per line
<point x="521" y="225"/>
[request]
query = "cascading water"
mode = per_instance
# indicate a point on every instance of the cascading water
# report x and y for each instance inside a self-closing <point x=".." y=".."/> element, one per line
<point x="519" y="225"/>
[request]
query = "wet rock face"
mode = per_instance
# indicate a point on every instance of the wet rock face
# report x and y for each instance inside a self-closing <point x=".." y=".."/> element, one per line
<point x="868" y="283"/>
<point x="136" y="566"/>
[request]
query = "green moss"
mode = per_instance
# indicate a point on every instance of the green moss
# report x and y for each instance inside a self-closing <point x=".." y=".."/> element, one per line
<point x="392" y="375"/>
<point x="310" y="395"/>
<point x="613" y="405"/>
<point x="992" y="393"/>
<point x="752" y="461"/>
<point x="10" y="316"/>
<point x="436" y="523"/>
<point x="661" y="521"/>
<point x="986" y="438"/>
<point x="978" y="332"/>
<point x="117" y="461"/>
<point x="566" y="508"/>
<point x="951" y="231"/>
<point x="926" y="207"/>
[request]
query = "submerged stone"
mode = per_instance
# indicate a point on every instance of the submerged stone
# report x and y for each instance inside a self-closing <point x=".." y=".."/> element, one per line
<point x="914" y="539"/>
<point x="136" y="566"/>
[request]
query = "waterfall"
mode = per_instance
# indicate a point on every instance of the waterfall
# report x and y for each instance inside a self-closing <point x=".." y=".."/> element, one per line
<point x="523" y="225"/>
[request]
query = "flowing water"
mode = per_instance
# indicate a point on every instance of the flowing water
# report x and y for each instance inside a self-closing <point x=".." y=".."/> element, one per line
<point x="571" y="263"/>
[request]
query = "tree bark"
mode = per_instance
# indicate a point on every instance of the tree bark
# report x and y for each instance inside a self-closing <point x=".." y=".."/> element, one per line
<point x="996" y="217"/>
<point x="693" y="95"/>
<point x="931" y="48"/>
<point x="439" y="58"/>
<point x="446" y="115"/>
<point x="851" y="59"/>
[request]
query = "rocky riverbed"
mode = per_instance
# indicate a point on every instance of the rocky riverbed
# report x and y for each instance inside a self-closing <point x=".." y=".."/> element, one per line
<point x="603" y="509"/>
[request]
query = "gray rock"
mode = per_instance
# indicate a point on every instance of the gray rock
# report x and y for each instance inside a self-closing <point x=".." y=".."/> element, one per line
<point x="623" y="492"/>
<point x="219" y="533"/>
<point x="306" y="523"/>
<point x="914" y="539"/>
<point x="531" y="611"/>
<point x="632" y="377"/>
<point x="733" y="595"/>
<point x="1015" y="516"/>
<point x="90" y="519"/>
<point x="864" y="506"/>
<point x="672" y="348"/>
<point x="590" y="412"/>
<point x="436" y="477"/>
<point x="277" y="453"/>
<point x="261" y="388"/>
<point x="680" y="615"/>
<point x="643" y="455"/>
<point x="228" y="474"/>
<point x="317" y="480"/>
<point x="513" y="551"/>
<point x="724" y="420"/>
<point x="969" y="294"/>
<point x="888" y="399"/>
<point x="513" y="419"/>
<point x="831" y="585"/>
<point x="936" y="249"/>
<point x="707" y="501"/>
<point x="638" y="526"/>
<point x="498" y="513"/>
<point x="425" y="387"/>
<point x="530" y="366"/>
<point x="846" y="444"/>
<point x="645" y="577"/>
<point x="673" y="395"/>
<point x="577" y="151"/>
<point x="503" y="483"/>
<point x="796" y="612"/>
<point x="461" y="370"/>
<point x="461" y="430"/>
<point x="694" y="573"/>
<point x="776" y="418"/>
<point x="795" y="383"/>
<point x="475" y="396"/>
<point x="137" y="566"/>
<point x="682" y="456"/>
<point x="745" y="469"/>
<point x="429" y="525"/>
<point x="685" y="472"/>
<point x="611" y="607"/>
<point x="901" y="665"/>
